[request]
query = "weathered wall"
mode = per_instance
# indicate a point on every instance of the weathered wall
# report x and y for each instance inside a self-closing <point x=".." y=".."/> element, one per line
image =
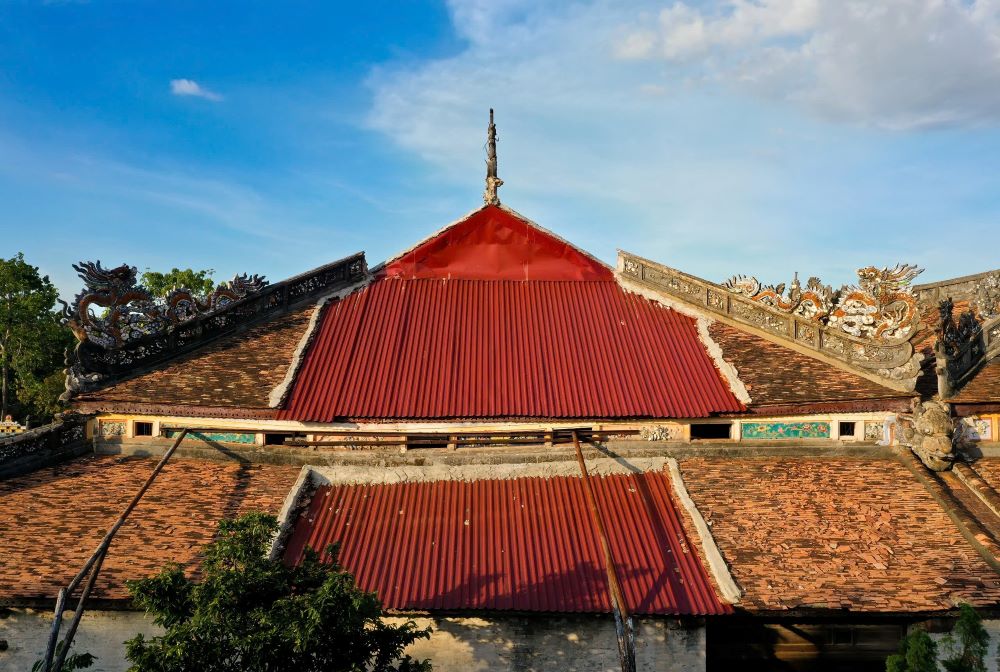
<point x="578" y="644"/>
<point x="101" y="633"/>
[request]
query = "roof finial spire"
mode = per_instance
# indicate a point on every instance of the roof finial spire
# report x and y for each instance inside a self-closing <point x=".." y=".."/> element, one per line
<point x="493" y="182"/>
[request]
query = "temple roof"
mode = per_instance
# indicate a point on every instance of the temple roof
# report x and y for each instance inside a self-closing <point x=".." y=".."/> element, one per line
<point x="493" y="317"/>
<point x="496" y="318"/>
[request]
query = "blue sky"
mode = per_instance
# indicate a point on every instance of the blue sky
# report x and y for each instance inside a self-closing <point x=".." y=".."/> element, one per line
<point x="764" y="136"/>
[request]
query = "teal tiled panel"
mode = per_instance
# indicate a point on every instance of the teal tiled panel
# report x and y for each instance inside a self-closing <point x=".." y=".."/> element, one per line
<point x="217" y="437"/>
<point x="786" y="430"/>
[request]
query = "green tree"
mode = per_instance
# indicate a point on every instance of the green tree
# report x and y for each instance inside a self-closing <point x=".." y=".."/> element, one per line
<point x="251" y="613"/>
<point x="966" y="643"/>
<point x="917" y="653"/>
<point x="160" y="284"/>
<point x="32" y="341"/>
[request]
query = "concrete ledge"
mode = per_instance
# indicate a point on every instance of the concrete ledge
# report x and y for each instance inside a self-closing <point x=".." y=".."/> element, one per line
<point x="297" y="456"/>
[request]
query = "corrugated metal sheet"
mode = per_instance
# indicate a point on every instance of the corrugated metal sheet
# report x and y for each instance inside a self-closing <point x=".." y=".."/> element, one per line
<point x="526" y="545"/>
<point x="436" y="349"/>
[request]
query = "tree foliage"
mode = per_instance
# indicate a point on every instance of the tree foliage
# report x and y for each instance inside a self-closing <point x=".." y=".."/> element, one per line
<point x="251" y="613"/>
<point x="160" y="284"/>
<point x="917" y="653"/>
<point x="966" y="643"/>
<point x="32" y="342"/>
<point x="965" y="647"/>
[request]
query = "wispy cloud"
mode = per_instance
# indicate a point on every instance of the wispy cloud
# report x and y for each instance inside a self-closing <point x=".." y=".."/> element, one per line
<point x="896" y="64"/>
<point x="189" y="87"/>
<point x="650" y="119"/>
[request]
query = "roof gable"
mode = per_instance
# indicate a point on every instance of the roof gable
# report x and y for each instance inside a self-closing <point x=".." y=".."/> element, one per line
<point x="494" y="243"/>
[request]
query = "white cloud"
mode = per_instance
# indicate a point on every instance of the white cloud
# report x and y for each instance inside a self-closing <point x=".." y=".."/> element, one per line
<point x="898" y="64"/>
<point x="618" y="140"/>
<point x="189" y="87"/>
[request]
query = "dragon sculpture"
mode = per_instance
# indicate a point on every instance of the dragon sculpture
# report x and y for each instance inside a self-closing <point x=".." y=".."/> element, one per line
<point x="881" y="307"/>
<point x="954" y="334"/>
<point x="813" y="303"/>
<point x="131" y="312"/>
<point x="130" y="309"/>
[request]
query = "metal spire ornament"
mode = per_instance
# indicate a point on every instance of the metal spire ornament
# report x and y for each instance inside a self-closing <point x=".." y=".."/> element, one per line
<point x="490" y="196"/>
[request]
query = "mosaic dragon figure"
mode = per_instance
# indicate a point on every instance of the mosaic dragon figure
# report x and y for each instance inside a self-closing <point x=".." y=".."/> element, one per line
<point x="881" y="307"/>
<point x="812" y="303"/>
<point x="131" y="311"/>
<point x="129" y="308"/>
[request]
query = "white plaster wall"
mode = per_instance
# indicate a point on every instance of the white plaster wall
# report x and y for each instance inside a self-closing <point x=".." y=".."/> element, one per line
<point x="102" y="633"/>
<point x="545" y="644"/>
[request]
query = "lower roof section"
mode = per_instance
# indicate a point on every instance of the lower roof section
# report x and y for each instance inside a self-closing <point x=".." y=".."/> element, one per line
<point x="52" y="519"/>
<point x="836" y="533"/>
<point x="524" y="544"/>
<point x="436" y="349"/>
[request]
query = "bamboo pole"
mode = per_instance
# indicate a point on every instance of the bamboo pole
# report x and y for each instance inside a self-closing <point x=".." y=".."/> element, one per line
<point x="623" y="620"/>
<point x="93" y="566"/>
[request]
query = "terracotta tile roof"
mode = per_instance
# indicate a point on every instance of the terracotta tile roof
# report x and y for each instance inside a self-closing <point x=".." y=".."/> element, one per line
<point x="52" y="519"/>
<point x="860" y="534"/>
<point x="526" y="544"/>
<point x="984" y="387"/>
<point x="776" y="375"/>
<point x="238" y="371"/>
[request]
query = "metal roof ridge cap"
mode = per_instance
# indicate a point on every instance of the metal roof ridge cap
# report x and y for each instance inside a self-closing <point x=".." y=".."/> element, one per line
<point x="731" y="592"/>
<point x="381" y="475"/>
<point x="282" y="389"/>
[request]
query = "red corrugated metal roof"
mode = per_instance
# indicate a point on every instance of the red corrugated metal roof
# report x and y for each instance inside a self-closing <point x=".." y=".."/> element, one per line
<point x="527" y="544"/>
<point x="410" y="346"/>
<point x="501" y="349"/>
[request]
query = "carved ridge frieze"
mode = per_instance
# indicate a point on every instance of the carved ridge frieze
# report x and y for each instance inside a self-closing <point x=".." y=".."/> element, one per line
<point x="137" y="331"/>
<point x="882" y="307"/>
<point x="886" y="355"/>
<point x="987" y="298"/>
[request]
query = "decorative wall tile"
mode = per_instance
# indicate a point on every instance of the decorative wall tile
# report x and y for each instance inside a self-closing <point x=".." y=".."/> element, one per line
<point x="661" y="433"/>
<point x="977" y="429"/>
<point x="874" y="431"/>
<point x="215" y="437"/>
<point x="112" y="428"/>
<point x="786" y="430"/>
